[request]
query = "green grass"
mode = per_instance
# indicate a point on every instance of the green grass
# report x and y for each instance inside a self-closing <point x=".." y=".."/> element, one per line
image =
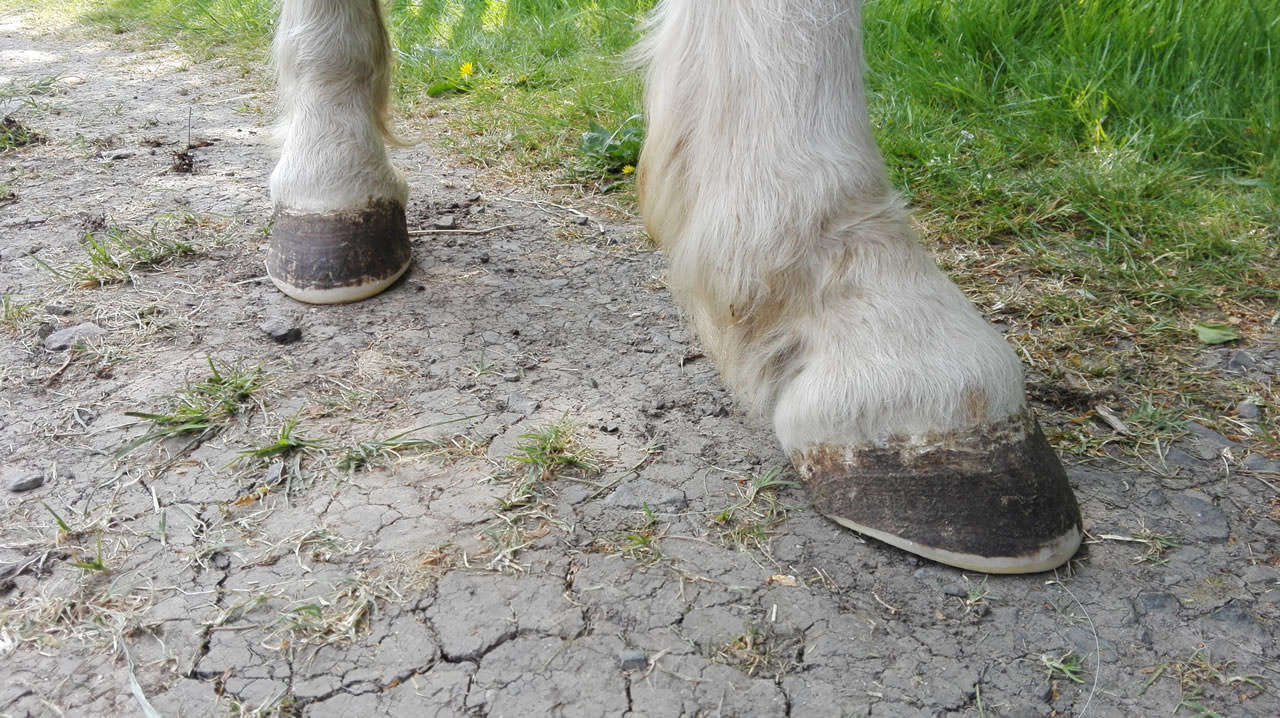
<point x="749" y="521"/>
<point x="1099" y="175"/>
<point x="542" y="72"/>
<point x="14" y="134"/>
<point x="1067" y="666"/>
<point x="202" y="408"/>
<point x="542" y="454"/>
<point x="287" y="441"/>
<point x="114" y="256"/>
<point x="14" y="310"/>
<point x="373" y="452"/>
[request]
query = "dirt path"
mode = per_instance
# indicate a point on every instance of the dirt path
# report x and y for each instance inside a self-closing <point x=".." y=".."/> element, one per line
<point x="432" y="579"/>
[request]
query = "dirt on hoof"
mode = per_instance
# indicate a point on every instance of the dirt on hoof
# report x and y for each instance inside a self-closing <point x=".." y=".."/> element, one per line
<point x="506" y="486"/>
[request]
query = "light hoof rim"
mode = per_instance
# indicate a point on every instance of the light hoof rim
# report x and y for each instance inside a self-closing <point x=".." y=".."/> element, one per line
<point x="995" y="500"/>
<point x="338" y="257"/>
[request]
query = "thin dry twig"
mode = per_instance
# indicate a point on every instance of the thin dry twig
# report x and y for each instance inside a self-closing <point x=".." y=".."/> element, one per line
<point x="486" y="230"/>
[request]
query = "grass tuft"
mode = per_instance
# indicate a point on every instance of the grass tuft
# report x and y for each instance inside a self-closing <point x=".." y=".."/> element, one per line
<point x="14" y="134"/>
<point x="203" y="408"/>
<point x="749" y="521"/>
<point x="545" y="453"/>
<point x="113" y="257"/>
<point x="14" y="310"/>
<point x="758" y="652"/>
<point x="287" y="442"/>
<point x="1066" y="666"/>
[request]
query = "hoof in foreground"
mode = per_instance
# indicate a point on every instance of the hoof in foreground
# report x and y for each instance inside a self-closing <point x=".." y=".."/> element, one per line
<point x="338" y="257"/>
<point x="995" y="501"/>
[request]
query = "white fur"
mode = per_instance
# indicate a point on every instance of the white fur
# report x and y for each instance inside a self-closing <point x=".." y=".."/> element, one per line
<point x="789" y="250"/>
<point x="333" y="61"/>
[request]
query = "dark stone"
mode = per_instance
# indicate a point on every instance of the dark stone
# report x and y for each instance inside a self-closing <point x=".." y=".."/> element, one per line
<point x="1149" y="602"/>
<point x="1176" y="457"/>
<point x="1234" y="613"/>
<point x="1240" y="362"/>
<point x="1205" y="443"/>
<point x="281" y="331"/>
<point x="1260" y="573"/>
<point x="1247" y="410"/>
<point x="1238" y="620"/>
<point x="26" y="482"/>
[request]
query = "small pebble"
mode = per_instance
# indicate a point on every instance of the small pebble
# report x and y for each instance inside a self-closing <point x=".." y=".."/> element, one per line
<point x="1149" y="602"/>
<point x="281" y="331"/>
<point x="1247" y="410"/>
<point x="64" y="339"/>
<point x="26" y="482"/>
<point x="1241" y="362"/>
<point x="633" y="659"/>
<point x="445" y="222"/>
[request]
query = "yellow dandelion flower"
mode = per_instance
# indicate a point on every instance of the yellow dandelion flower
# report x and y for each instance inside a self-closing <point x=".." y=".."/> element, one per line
<point x="467" y="70"/>
<point x="628" y="169"/>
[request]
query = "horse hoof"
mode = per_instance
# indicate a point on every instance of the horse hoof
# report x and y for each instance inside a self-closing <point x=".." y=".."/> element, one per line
<point x="995" y="501"/>
<point x="337" y="257"/>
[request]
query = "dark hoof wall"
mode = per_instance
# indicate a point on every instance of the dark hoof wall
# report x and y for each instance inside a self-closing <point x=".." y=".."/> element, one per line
<point x="338" y="257"/>
<point x="995" y="501"/>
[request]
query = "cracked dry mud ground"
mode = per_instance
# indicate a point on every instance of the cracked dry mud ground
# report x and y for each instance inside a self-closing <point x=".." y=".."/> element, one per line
<point x="651" y="588"/>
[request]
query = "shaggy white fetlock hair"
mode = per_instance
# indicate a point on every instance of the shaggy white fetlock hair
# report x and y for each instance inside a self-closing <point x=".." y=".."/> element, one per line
<point x="333" y="59"/>
<point x="790" y="252"/>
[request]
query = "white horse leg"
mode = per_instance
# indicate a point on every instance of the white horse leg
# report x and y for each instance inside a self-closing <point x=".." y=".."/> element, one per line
<point x="339" y="229"/>
<point x="797" y="264"/>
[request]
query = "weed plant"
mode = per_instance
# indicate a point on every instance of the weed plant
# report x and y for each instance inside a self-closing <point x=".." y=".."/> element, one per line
<point x="202" y="408"/>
